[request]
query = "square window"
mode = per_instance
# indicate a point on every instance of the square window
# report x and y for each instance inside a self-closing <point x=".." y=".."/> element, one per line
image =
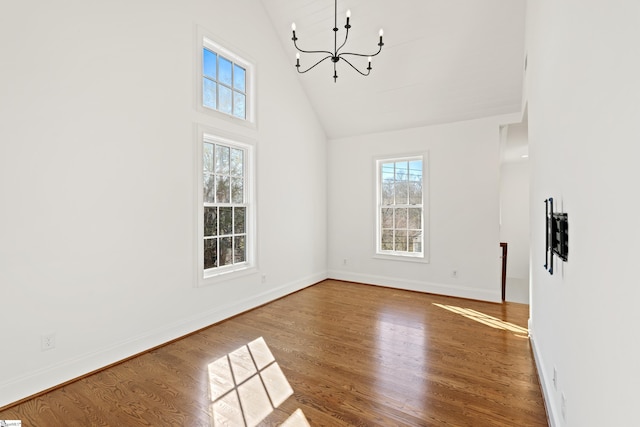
<point x="226" y="81"/>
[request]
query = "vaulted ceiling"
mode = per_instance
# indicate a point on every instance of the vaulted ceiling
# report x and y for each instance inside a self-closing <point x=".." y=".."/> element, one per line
<point x="442" y="60"/>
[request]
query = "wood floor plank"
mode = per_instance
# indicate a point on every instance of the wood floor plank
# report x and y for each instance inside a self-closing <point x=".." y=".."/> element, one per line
<point x="334" y="354"/>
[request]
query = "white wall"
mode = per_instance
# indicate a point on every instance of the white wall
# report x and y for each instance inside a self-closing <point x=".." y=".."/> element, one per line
<point x="463" y="183"/>
<point x="583" y="104"/>
<point x="97" y="176"/>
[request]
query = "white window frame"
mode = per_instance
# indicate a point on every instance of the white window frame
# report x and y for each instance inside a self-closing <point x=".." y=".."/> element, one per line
<point x="208" y="41"/>
<point x="402" y="255"/>
<point x="249" y="266"/>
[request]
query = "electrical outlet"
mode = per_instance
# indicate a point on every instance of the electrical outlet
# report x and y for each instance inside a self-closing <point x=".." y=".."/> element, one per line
<point x="48" y="341"/>
<point x="454" y="274"/>
<point x="345" y="261"/>
<point x="555" y="378"/>
<point x="264" y="278"/>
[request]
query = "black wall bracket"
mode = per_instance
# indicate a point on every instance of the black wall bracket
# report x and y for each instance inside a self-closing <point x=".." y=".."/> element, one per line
<point x="556" y="236"/>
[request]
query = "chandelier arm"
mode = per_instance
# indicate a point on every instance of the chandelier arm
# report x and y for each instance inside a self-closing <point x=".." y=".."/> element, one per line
<point x="361" y="54"/>
<point x="354" y="67"/>
<point x="314" y="65"/>
<point x="311" y="51"/>
<point x="343" y="43"/>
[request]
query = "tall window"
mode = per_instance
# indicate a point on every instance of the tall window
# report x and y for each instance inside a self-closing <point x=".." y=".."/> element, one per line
<point x="224" y="84"/>
<point x="401" y="211"/>
<point x="226" y="210"/>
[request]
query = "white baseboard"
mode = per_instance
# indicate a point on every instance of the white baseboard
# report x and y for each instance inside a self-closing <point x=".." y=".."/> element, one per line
<point x="545" y="384"/>
<point x="47" y="377"/>
<point x="420" y="286"/>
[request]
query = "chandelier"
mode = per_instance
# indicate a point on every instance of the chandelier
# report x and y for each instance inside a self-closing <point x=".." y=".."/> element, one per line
<point x="336" y="55"/>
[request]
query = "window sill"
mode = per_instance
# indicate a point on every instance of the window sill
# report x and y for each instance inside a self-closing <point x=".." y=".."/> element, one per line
<point x="213" y="278"/>
<point x="421" y="259"/>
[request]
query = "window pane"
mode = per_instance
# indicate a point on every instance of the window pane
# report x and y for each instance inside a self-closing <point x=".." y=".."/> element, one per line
<point x="208" y="189"/>
<point x="387" y="240"/>
<point x="238" y="78"/>
<point x="388" y="192"/>
<point x="401" y="218"/>
<point x="225" y="100"/>
<point x="402" y="171"/>
<point x="222" y="159"/>
<point x="415" y="193"/>
<point x="415" y="182"/>
<point x="210" y="253"/>
<point x="415" y="218"/>
<point x="239" y="220"/>
<point x="387" y="217"/>
<point x="237" y="162"/>
<point x="207" y="157"/>
<point x="209" y="64"/>
<point x="387" y="184"/>
<point x="414" y="241"/>
<point x="226" y="220"/>
<point x="239" y="249"/>
<point x="210" y="222"/>
<point x="401" y="240"/>
<point x="388" y="171"/>
<point x="209" y="93"/>
<point x="402" y="192"/>
<point x="224" y="68"/>
<point x="237" y="190"/>
<point x="222" y="189"/>
<point x="239" y="105"/>
<point x="226" y="251"/>
<point x="415" y="170"/>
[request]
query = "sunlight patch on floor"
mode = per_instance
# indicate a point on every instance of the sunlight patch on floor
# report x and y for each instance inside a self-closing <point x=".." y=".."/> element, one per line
<point x="247" y="385"/>
<point x="485" y="319"/>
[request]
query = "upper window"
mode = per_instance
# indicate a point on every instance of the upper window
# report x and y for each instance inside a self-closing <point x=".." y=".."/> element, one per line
<point x="225" y="82"/>
<point x="401" y="207"/>
<point x="226" y="209"/>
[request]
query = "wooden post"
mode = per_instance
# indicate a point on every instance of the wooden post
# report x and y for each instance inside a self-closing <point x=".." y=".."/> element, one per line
<point x="503" y="245"/>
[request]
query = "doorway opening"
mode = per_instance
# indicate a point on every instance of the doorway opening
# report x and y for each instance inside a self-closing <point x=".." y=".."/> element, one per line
<point x="514" y="207"/>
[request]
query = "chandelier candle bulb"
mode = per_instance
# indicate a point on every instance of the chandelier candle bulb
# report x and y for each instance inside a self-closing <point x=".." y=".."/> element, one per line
<point x="297" y="60"/>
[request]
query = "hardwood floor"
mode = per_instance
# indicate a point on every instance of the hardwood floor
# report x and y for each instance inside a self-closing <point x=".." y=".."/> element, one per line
<point x="334" y="354"/>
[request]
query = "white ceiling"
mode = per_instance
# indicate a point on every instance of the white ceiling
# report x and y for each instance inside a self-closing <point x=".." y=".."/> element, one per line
<point x="442" y="61"/>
